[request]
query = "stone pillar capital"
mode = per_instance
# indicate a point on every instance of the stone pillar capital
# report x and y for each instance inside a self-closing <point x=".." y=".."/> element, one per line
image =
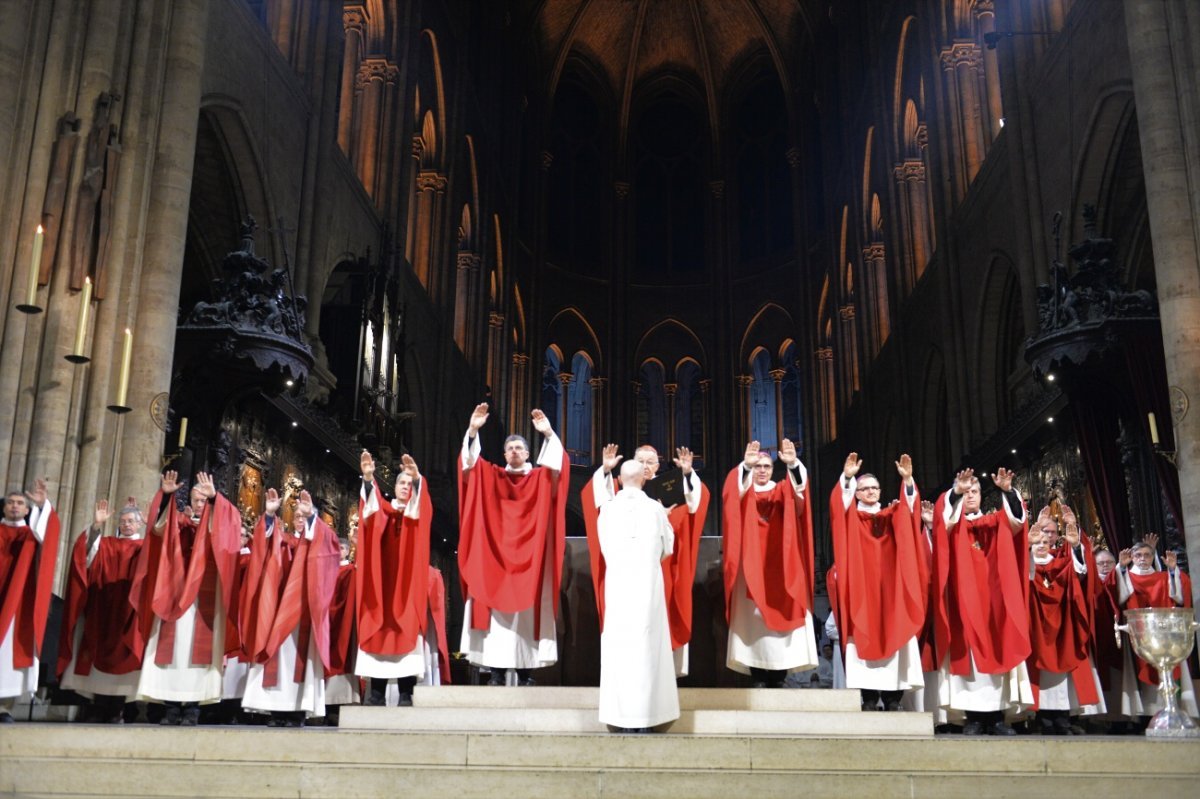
<point x="910" y="170"/>
<point x="984" y="8"/>
<point x="717" y="187"/>
<point x="793" y="156"/>
<point x="958" y="54"/>
<point x="874" y="251"/>
<point x="467" y="260"/>
<point x="495" y="319"/>
<point x="846" y="312"/>
<point x="824" y="353"/>
<point x="354" y="18"/>
<point x="778" y="374"/>
<point x="597" y="383"/>
<point x="430" y="180"/>
<point x="547" y="159"/>
<point x="520" y="359"/>
<point x="743" y="381"/>
<point x="621" y="187"/>
<point x="705" y="384"/>
<point x="670" y="389"/>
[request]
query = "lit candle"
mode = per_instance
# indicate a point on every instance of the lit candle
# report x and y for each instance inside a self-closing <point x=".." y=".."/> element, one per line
<point x="126" y="359"/>
<point x="85" y="303"/>
<point x="1153" y="429"/>
<point x="183" y="432"/>
<point x="35" y="266"/>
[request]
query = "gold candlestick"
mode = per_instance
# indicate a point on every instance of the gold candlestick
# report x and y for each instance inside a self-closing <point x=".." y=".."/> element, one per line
<point x="85" y="304"/>
<point x="35" y="267"/>
<point x="123" y="382"/>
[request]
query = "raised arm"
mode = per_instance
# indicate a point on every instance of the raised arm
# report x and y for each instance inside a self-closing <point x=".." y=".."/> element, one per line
<point x="470" y="446"/>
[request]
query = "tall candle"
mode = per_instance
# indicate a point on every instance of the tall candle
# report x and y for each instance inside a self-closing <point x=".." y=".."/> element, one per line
<point x="183" y="432"/>
<point x="1153" y="429"/>
<point x="126" y="360"/>
<point x="35" y="266"/>
<point x="85" y="304"/>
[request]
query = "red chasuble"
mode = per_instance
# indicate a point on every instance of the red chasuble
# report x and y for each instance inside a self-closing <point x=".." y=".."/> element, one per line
<point x="882" y="575"/>
<point x="99" y="593"/>
<point x="26" y="576"/>
<point x="506" y="522"/>
<point x="1154" y="591"/>
<point x="1106" y="612"/>
<point x="393" y="565"/>
<point x="1060" y="624"/>
<point x="341" y="623"/>
<point x="679" y="570"/>
<point x="295" y="581"/>
<point x="437" y="612"/>
<point x="188" y="563"/>
<point x="767" y="536"/>
<point x="981" y="572"/>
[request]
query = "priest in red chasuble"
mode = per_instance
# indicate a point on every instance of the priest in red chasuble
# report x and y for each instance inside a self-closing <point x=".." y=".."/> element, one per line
<point x="882" y="583"/>
<point x="182" y="589"/>
<point x="29" y="534"/>
<point x="512" y="539"/>
<point x="1140" y="585"/>
<point x="1060" y="665"/>
<point x="100" y="645"/>
<point x="768" y="569"/>
<point x="687" y="523"/>
<point x="392" y="595"/>
<point x="981" y="614"/>
<point x="288" y="589"/>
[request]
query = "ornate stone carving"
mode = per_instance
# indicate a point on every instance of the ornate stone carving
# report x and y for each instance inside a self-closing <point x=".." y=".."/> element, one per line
<point x="354" y="18"/>
<point x="431" y="180"/>
<point x="911" y="169"/>
<point x="622" y="188"/>
<point x="961" y="54"/>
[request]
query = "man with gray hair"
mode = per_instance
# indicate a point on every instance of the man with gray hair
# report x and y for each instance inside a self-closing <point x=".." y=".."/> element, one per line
<point x="100" y="646"/>
<point x="28" y="548"/>
<point x="637" y="670"/>
<point x="512" y="539"/>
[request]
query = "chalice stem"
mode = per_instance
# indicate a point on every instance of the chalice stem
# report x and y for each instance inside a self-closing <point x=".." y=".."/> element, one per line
<point x="1167" y="686"/>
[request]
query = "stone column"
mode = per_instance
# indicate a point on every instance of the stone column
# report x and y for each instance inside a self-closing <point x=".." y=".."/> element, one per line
<point x="960" y="63"/>
<point x="387" y="126"/>
<point x="705" y="416"/>
<point x="162" y="255"/>
<point x="495" y="375"/>
<point x="564" y="403"/>
<point x="777" y="375"/>
<point x="743" y="383"/>
<point x="519" y="406"/>
<point x="850" y="349"/>
<point x="373" y="77"/>
<point x="598" y="385"/>
<point x="985" y="14"/>
<point x="428" y="184"/>
<point x="464" y="321"/>
<point x="354" y="22"/>
<point x="875" y="261"/>
<point x="670" y="390"/>
<point x="1163" y="53"/>
<point x="827" y="393"/>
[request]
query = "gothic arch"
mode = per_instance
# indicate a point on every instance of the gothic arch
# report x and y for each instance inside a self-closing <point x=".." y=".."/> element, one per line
<point x="570" y="331"/>
<point x="432" y="87"/>
<point x="669" y="341"/>
<point x="769" y="328"/>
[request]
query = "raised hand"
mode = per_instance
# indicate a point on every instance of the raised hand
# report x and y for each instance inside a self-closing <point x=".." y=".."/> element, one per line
<point x="541" y="423"/>
<point x="963" y="481"/>
<point x="609" y="457"/>
<point x="927" y="512"/>
<point x="478" y="417"/>
<point x="366" y="465"/>
<point x="170" y="481"/>
<point x="273" y="502"/>
<point x="409" y="466"/>
<point x="751" y="457"/>
<point x="204" y="484"/>
<point x="1068" y="515"/>
<point x="904" y="468"/>
<point x="1071" y="533"/>
<point x="1170" y="559"/>
<point x="1151" y="539"/>
<point x="787" y="452"/>
<point x="304" y="507"/>
<point x="1003" y="479"/>
<point x="852" y="465"/>
<point x="683" y="459"/>
<point x="1125" y="557"/>
<point x="101" y="515"/>
<point x="37" y="494"/>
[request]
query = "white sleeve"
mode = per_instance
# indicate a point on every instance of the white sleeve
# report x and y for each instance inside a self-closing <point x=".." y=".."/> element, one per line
<point x="849" y="486"/>
<point x="603" y="486"/>
<point x="551" y="455"/>
<point x="94" y="547"/>
<point x="412" y="509"/>
<point x="831" y="630"/>
<point x="1175" y="585"/>
<point x="269" y="525"/>
<point x="1124" y="586"/>
<point x="371" y="502"/>
<point x="910" y="497"/>
<point x="39" y="519"/>
<point x="951" y="511"/>
<point x="470" y="450"/>
<point x="1014" y="520"/>
<point x="1080" y="563"/>
<point x="746" y="481"/>
<point x="692" y="497"/>
<point x="666" y="532"/>
<point x="798" y="486"/>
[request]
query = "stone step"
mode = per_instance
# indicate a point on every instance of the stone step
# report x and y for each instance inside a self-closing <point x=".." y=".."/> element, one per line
<point x="761" y="699"/>
<point x="46" y="759"/>
<point x="584" y="720"/>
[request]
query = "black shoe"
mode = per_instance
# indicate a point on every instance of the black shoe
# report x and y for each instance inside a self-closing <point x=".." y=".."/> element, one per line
<point x="759" y="684"/>
<point x="497" y="677"/>
<point x="172" y="716"/>
<point x="190" y="716"/>
<point x="870" y="705"/>
<point x="375" y="700"/>
<point x="1001" y="729"/>
<point x="527" y="681"/>
<point x="973" y="728"/>
<point x="276" y="720"/>
<point x="6" y="718"/>
<point x="892" y="707"/>
<point x="405" y="700"/>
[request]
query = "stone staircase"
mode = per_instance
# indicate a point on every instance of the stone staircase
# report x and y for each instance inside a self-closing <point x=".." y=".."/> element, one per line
<point x="527" y="743"/>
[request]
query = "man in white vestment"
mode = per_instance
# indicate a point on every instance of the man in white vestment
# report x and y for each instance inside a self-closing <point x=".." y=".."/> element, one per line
<point x="637" y="670"/>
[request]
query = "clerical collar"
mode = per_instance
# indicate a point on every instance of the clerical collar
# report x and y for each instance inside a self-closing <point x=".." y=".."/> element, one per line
<point x="869" y="507"/>
<point x="1042" y="560"/>
<point x="398" y="505"/>
<point x="526" y="468"/>
<point x="770" y="484"/>
<point x="1142" y="570"/>
<point x="974" y="514"/>
<point x="8" y="523"/>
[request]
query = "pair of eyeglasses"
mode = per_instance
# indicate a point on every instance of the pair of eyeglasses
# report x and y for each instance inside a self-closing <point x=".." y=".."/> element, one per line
<point x="868" y="488"/>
